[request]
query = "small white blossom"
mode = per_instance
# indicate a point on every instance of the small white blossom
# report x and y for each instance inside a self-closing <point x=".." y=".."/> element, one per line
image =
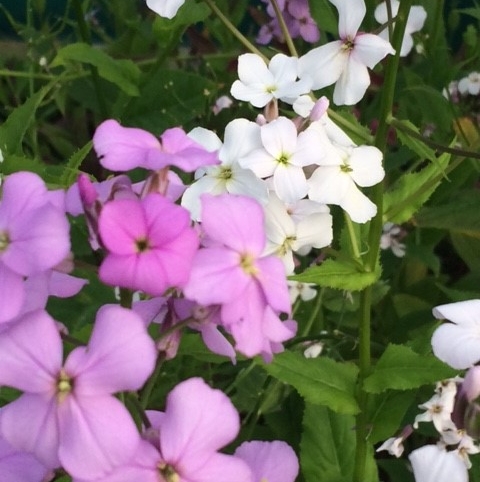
<point x="470" y="84"/>
<point x="314" y="350"/>
<point x="305" y="291"/>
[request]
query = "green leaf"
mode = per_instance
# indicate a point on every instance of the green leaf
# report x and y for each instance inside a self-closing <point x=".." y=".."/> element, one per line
<point x="323" y="14"/>
<point x="123" y="73"/>
<point x="339" y="274"/>
<point x="416" y="145"/>
<point x="170" y="98"/>
<point x="400" y="368"/>
<point x="320" y="381"/>
<point x="72" y="169"/>
<point x="413" y="190"/>
<point x="327" y="448"/>
<point x="13" y="130"/>
<point x="460" y="216"/>
<point x="386" y="412"/>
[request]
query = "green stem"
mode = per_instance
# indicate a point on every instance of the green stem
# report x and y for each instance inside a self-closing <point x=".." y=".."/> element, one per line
<point x="86" y="37"/>
<point x="126" y="297"/>
<point x="147" y="390"/>
<point x="243" y="40"/>
<point x="313" y="316"/>
<point x="284" y="29"/>
<point x="375" y="232"/>
<point x="352" y="235"/>
<point x="350" y="127"/>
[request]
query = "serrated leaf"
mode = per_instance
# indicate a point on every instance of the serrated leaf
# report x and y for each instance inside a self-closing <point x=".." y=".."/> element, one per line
<point x="13" y="130"/>
<point x="123" y="73"/>
<point x="72" y="168"/>
<point x="339" y="274"/>
<point x="320" y="381"/>
<point x="413" y="190"/>
<point x="400" y="368"/>
<point x="416" y="145"/>
<point x="327" y="448"/>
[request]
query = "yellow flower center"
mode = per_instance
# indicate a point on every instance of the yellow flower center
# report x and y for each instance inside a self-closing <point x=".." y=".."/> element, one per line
<point x="141" y="245"/>
<point x="168" y="473"/>
<point x="4" y="241"/>
<point x="64" y="385"/>
<point x="247" y="263"/>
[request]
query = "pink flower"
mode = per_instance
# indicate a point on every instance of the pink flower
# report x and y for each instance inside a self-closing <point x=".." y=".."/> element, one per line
<point x="66" y="415"/>
<point x="34" y="237"/>
<point x="150" y="244"/>
<point x="269" y="461"/>
<point x="198" y="421"/>
<point x="124" y="148"/>
<point x="251" y="287"/>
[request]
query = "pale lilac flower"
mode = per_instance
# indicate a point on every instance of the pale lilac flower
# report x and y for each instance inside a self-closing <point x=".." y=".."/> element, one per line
<point x="415" y="22"/>
<point x="438" y="410"/>
<point x="259" y="83"/>
<point x="198" y="421"/>
<point x="390" y="239"/>
<point x="458" y="343"/>
<point x="432" y="463"/>
<point x="34" y="237"/>
<point x="123" y="148"/>
<point x="307" y="28"/>
<point x="269" y="461"/>
<point x="345" y="62"/>
<point x="223" y="102"/>
<point x="305" y="291"/>
<point x="67" y="415"/>
<point x="150" y="244"/>
<point x="165" y="8"/>
<point x="283" y="156"/>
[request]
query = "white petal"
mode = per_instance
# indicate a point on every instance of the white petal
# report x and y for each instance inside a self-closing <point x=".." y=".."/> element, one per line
<point x="358" y="206"/>
<point x="303" y="105"/>
<point x="328" y="185"/>
<point x="191" y="196"/>
<point x="279" y="137"/>
<point x="366" y="165"/>
<point x="351" y="14"/>
<point x="283" y="69"/>
<point x="314" y="231"/>
<point x="244" y="182"/>
<point x="431" y="463"/>
<point x="256" y="93"/>
<point x="260" y="162"/>
<point x="369" y="49"/>
<point x="416" y="18"/>
<point x="253" y="70"/>
<point x="381" y="13"/>
<point x="290" y="183"/>
<point x="458" y="346"/>
<point x="165" y="8"/>
<point x="352" y="84"/>
<point x="324" y="64"/>
<point x="241" y="137"/>
<point x="464" y="313"/>
<point x="206" y="138"/>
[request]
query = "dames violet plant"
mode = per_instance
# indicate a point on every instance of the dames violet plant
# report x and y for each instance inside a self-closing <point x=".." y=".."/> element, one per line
<point x="164" y="168"/>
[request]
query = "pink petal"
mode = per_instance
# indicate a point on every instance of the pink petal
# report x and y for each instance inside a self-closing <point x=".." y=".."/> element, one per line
<point x="274" y="284"/>
<point x="97" y="434"/>
<point x="235" y="221"/>
<point x="64" y="285"/>
<point x="218" y="467"/>
<point x="111" y="362"/>
<point x="12" y="293"/>
<point x="121" y="223"/>
<point x="27" y="366"/>
<point x="198" y="421"/>
<point x="123" y="148"/>
<point x="273" y="461"/>
<point x="30" y="424"/>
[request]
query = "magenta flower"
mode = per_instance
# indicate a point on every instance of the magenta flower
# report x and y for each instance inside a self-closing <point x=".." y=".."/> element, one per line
<point x="269" y="461"/>
<point x="124" y="148"/>
<point x="198" y="421"/>
<point x="34" y="237"/>
<point x="150" y="244"/>
<point x="252" y="288"/>
<point x="67" y="415"/>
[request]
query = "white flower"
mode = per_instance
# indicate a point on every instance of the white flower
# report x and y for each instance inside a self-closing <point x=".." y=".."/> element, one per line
<point x="465" y="448"/>
<point x="341" y="170"/>
<point x="458" y="343"/>
<point x="438" y="410"/>
<point x="314" y="350"/>
<point x="259" y="83"/>
<point x="241" y="137"/>
<point x="284" y="236"/>
<point x="431" y="463"/>
<point x="389" y="239"/>
<point x="223" y="102"/>
<point x="345" y="62"/>
<point x="470" y="84"/>
<point x="165" y="8"/>
<point x="306" y="291"/>
<point x="284" y="154"/>
<point x="415" y="21"/>
<point x="394" y="446"/>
